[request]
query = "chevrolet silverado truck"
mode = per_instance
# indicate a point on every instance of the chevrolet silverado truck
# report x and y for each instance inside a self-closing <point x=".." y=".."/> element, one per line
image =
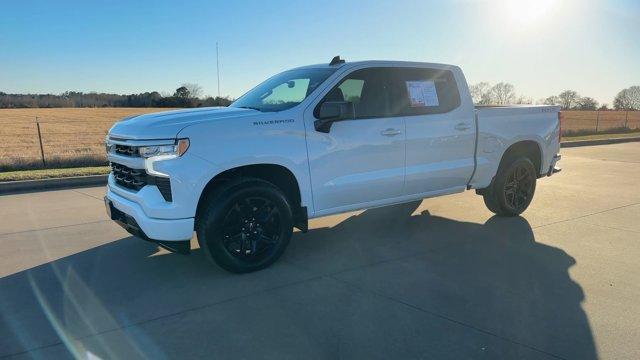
<point x="315" y="141"/>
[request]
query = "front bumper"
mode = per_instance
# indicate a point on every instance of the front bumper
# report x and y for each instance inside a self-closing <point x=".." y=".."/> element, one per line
<point x="172" y="234"/>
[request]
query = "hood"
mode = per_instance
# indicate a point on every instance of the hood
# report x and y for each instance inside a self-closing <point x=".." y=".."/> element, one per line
<point x="167" y="124"/>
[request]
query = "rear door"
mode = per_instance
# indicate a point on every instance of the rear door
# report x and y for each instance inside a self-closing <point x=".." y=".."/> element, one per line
<point x="359" y="161"/>
<point x="440" y="128"/>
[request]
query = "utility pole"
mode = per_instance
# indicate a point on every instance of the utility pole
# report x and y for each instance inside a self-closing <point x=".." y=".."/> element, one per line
<point x="218" y="66"/>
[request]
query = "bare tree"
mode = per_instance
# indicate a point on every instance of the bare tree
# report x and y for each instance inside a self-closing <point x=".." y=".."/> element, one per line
<point x="195" y="90"/>
<point x="551" y="100"/>
<point x="568" y="99"/>
<point x="628" y="99"/>
<point x="587" y="103"/>
<point x="499" y="94"/>
<point x="525" y="100"/>
<point x="480" y="93"/>
<point x="502" y="94"/>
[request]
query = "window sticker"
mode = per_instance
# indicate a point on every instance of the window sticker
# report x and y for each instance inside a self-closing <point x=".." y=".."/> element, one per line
<point x="422" y="93"/>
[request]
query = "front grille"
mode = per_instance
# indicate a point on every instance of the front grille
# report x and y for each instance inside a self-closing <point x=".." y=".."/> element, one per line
<point x="126" y="150"/>
<point x="134" y="179"/>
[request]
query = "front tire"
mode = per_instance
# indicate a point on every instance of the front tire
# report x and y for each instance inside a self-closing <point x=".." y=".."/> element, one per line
<point x="246" y="226"/>
<point x="512" y="189"/>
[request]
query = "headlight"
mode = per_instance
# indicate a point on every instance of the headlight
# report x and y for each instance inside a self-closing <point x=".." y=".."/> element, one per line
<point x="175" y="150"/>
<point x="153" y="154"/>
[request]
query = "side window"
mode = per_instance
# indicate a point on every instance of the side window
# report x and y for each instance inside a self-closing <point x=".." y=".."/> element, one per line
<point x="368" y="90"/>
<point x="352" y="90"/>
<point x="420" y="91"/>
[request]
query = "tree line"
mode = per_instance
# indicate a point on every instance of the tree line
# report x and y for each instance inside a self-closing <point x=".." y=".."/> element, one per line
<point x="187" y="95"/>
<point x="502" y="93"/>
<point x="191" y="95"/>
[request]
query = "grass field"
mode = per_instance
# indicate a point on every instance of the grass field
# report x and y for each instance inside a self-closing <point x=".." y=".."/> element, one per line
<point x="585" y="122"/>
<point x="631" y="134"/>
<point x="74" y="137"/>
<point x="70" y="136"/>
<point x="52" y="173"/>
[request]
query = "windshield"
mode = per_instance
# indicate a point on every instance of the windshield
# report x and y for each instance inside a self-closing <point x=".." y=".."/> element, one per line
<point x="283" y="91"/>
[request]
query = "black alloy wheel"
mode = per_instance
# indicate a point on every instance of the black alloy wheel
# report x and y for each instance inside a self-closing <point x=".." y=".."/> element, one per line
<point x="244" y="225"/>
<point x="251" y="228"/>
<point x="512" y="189"/>
<point x="518" y="189"/>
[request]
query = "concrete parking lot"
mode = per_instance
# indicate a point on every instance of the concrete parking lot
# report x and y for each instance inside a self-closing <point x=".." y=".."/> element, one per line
<point x="438" y="280"/>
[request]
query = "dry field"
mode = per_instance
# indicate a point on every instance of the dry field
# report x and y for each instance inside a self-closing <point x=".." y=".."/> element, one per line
<point x="70" y="136"/>
<point x="599" y="121"/>
<point x="75" y="136"/>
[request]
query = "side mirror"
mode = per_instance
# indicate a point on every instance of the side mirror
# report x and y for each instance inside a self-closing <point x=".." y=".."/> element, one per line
<point x="332" y="111"/>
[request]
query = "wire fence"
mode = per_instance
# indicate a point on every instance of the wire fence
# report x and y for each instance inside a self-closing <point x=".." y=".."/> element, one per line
<point x="575" y="123"/>
<point x="43" y="143"/>
<point x="54" y="143"/>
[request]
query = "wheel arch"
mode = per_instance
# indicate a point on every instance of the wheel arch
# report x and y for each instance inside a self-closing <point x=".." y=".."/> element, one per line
<point x="276" y="174"/>
<point x="528" y="148"/>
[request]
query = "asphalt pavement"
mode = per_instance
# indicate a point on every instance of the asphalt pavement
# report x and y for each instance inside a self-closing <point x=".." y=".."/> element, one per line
<point x="441" y="279"/>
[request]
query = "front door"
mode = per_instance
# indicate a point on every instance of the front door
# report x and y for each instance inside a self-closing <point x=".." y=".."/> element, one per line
<point x="360" y="160"/>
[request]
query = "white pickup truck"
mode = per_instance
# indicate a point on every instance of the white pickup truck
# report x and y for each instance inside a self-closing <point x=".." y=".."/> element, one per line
<point x="320" y="140"/>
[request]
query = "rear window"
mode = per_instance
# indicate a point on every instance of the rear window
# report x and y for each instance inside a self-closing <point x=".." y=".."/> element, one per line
<point x="420" y="91"/>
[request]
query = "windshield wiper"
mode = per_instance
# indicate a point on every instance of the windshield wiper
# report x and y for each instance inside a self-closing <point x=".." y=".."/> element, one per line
<point x="249" y="107"/>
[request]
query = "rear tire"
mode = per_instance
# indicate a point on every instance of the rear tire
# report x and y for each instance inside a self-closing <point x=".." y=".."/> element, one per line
<point x="512" y="189"/>
<point x="490" y="202"/>
<point x="245" y="226"/>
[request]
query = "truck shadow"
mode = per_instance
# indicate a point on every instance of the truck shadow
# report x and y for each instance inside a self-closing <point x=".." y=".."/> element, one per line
<point x="492" y="278"/>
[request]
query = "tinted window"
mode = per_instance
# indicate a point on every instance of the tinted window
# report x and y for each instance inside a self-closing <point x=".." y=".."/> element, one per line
<point x="385" y="92"/>
<point x="367" y="89"/>
<point x="352" y="90"/>
<point x="423" y="91"/>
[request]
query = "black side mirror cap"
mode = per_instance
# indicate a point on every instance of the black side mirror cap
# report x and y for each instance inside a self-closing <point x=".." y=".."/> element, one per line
<point x="332" y="111"/>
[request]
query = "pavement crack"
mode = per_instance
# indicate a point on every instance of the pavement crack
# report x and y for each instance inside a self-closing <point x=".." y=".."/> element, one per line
<point x="91" y="196"/>
<point x="620" y="161"/>
<point x="584" y="216"/>
<point x="614" y="228"/>
<point x="53" y="227"/>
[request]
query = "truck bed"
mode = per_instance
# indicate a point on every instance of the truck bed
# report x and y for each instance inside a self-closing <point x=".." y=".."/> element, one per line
<point x="500" y="126"/>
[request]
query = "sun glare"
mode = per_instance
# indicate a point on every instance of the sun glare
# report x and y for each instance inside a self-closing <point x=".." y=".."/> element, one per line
<point x="527" y="11"/>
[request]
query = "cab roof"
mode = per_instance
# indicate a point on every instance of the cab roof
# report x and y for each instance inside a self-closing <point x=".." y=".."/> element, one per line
<point x="373" y="63"/>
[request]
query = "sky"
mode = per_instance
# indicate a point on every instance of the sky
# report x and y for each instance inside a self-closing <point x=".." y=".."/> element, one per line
<point x="542" y="47"/>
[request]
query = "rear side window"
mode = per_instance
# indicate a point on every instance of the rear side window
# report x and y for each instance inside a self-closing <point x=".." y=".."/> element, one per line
<point x="418" y="91"/>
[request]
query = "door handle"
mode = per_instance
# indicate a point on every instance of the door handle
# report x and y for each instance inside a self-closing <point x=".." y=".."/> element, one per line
<point x="390" y="132"/>
<point x="462" y="126"/>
